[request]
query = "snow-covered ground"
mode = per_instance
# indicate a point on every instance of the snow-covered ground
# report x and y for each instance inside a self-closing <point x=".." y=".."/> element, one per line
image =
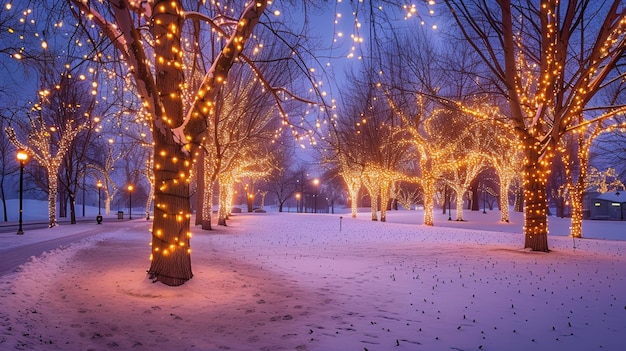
<point x="320" y="282"/>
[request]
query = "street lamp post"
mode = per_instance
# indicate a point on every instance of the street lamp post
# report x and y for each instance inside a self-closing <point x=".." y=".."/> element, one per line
<point x="22" y="156"/>
<point x="621" y="213"/>
<point x="316" y="182"/>
<point x="484" y="198"/>
<point x="130" y="201"/>
<point x="99" y="217"/>
<point x="298" y="202"/>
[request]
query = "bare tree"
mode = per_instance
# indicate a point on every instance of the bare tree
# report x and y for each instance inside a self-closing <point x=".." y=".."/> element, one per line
<point x="54" y="124"/>
<point x="149" y="37"/>
<point x="244" y="121"/>
<point x="281" y="180"/>
<point x="531" y="50"/>
<point x="8" y="165"/>
<point x="176" y="134"/>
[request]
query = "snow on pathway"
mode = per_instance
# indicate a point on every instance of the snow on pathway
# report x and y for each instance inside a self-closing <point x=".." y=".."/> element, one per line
<point x="295" y="282"/>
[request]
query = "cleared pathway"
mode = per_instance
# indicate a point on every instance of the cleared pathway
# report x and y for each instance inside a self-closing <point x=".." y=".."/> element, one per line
<point x="14" y="256"/>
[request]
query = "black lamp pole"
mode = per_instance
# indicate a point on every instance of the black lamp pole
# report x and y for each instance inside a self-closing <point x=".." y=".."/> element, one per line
<point x="484" y="199"/>
<point x="130" y="202"/>
<point x="21" y="156"/>
<point x="621" y="213"/>
<point x="99" y="216"/>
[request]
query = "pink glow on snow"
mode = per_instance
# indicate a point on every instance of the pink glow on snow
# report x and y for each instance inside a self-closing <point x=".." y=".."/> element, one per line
<point x="295" y="282"/>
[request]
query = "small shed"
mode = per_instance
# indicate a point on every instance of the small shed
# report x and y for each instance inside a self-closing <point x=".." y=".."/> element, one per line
<point x="609" y="205"/>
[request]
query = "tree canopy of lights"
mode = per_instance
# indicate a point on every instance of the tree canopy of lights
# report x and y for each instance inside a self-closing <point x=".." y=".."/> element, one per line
<point x="244" y="118"/>
<point x="498" y="144"/>
<point x="180" y="61"/>
<point x="157" y="68"/>
<point x="63" y="110"/>
<point x="369" y="143"/>
<point x="550" y="59"/>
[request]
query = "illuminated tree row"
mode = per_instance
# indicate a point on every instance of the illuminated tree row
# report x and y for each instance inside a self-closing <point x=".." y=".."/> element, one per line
<point x="546" y="74"/>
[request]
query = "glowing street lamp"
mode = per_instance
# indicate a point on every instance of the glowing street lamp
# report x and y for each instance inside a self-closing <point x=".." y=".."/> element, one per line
<point x="130" y="201"/>
<point x="99" y="217"/>
<point x="22" y="156"/>
<point x="316" y="182"/>
<point x="250" y="202"/>
<point x="298" y="202"/>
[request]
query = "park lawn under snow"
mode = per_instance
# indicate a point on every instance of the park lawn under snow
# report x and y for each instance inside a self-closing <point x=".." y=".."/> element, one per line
<point x="297" y="282"/>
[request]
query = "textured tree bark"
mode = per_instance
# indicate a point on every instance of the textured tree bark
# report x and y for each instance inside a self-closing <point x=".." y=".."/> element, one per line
<point x="473" y="203"/>
<point x="459" y="205"/>
<point x="374" y="206"/>
<point x="503" y="201"/>
<point x="224" y="208"/>
<point x="373" y="189"/>
<point x="518" y="205"/>
<point x="353" y="184"/>
<point x="171" y="253"/>
<point x="207" y="202"/>
<point x="429" y="188"/>
<point x="53" y="186"/>
<point x="577" y="214"/>
<point x="535" y="198"/>
<point x="385" y="189"/>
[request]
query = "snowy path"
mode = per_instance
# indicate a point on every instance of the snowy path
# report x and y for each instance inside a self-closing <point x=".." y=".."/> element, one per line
<point x="295" y="282"/>
<point x="22" y="247"/>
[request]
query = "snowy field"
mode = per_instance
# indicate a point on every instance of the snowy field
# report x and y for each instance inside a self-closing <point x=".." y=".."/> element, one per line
<point x="297" y="282"/>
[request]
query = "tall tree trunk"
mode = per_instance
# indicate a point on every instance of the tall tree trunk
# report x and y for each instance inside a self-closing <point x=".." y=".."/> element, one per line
<point x="150" y="198"/>
<point x="429" y="201"/>
<point x="207" y="204"/>
<point x="354" y="203"/>
<point x="385" y="191"/>
<point x="577" y="192"/>
<point x="504" y="199"/>
<point x="459" y="204"/>
<point x="577" y="189"/>
<point x="577" y="213"/>
<point x="353" y="184"/>
<point x="107" y="203"/>
<point x="473" y="198"/>
<point x="171" y="253"/>
<point x="4" y="200"/>
<point x="224" y="206"/>
<point x="52" y="198"/>
<point x="62" y="209"/>
<point x="371" y="183"/>
<point x="518" y="205"/>
<point x="535" y="198"/>
<point x="374" y="206"/>
<point x="72" y="209"/>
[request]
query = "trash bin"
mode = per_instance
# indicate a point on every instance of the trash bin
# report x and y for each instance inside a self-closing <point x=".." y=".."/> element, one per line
<point x="120" y="214"/>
